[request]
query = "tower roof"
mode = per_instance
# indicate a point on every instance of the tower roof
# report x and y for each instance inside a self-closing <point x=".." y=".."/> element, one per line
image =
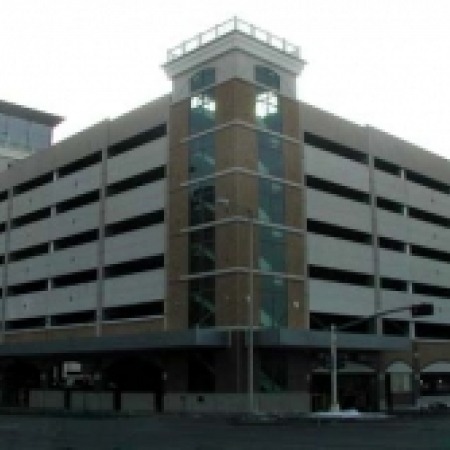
<point x="233" y="24"/>
<point x="229" y="35"/>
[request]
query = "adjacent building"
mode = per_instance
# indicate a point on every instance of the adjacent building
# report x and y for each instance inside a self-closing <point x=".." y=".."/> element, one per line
<point x="22" y="131"/>
<point x="160" y="259"/>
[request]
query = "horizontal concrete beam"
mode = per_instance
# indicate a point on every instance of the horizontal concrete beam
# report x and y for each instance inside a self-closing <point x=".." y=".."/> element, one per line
<point x="321" y="339"/>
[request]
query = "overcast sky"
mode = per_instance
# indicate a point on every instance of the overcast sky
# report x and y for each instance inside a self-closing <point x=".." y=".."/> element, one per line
<point x="385" y="63"/>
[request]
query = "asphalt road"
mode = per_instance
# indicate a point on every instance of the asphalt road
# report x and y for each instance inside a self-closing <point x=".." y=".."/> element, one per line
<point x="200" y="433"/>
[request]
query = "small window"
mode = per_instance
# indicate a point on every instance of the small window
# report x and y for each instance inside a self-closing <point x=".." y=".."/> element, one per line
<point x="203" y="78"/>
<point x="267" y="77"/>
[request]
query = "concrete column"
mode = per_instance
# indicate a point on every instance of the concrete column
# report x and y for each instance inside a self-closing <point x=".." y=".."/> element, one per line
<point x="381" y="380"/>
<point x="376" y="256"/>
<point x="5" y="264"/>
<point x="101" y="237"/>
<point x="51" y="250"/>
<point x="415" y="382"/>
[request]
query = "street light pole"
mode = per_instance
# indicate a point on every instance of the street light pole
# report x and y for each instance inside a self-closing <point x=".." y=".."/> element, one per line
<point x="250" y="362"/>
<point x="250" y="312"/>
<point x="333" y="350"/>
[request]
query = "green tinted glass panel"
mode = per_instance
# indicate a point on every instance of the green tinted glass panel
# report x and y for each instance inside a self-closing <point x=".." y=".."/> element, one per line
<point x="202" y="112"/>
<point x="202" y="254"/>
<point x="267" y="76"/>
<point x="273" y="311"/>
<point x="202" y="200"/>
<point x="202" y="160"/>
<point x="202" y="302"/>
<point x="272" y="250"/>
<point x="273" y="372"/>
<point x="270" y="155"/>
<point x="203" y="78"/>
<point x="271" y="201"/>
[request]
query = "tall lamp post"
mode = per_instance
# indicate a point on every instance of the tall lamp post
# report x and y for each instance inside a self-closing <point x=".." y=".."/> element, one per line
<point x="417" y="310"/>
<point x="250" y="313"/>
<point x="251" y="346"/>
<point x="333" y="354"/>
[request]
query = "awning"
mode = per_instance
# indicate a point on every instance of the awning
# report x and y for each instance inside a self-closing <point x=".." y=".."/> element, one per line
<point x="163" y="340"/>
<point x="399" y="367"/>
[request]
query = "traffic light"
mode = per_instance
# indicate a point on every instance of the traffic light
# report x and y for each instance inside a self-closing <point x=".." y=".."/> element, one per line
<point x="422" y="309"/>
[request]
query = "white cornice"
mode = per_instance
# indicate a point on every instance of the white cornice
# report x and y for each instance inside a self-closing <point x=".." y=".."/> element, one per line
<point x="234" y="41"/>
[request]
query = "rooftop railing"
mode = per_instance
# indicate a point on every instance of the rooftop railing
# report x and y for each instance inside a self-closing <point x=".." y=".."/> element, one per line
<point x="234" y="24"/>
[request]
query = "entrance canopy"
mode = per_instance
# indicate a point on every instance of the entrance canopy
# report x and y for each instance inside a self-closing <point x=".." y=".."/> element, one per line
<point x="193" y="338"/>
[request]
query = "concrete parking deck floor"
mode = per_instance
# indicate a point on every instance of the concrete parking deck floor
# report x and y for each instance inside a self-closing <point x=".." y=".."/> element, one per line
<point x="206" y="433"/>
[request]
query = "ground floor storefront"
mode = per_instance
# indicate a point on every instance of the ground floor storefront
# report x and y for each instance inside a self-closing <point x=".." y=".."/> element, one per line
<point x="207" y="371"/>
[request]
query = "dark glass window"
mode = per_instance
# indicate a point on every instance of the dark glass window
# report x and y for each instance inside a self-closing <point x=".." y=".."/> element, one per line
<point x="335" y="148"/>
<point x="202" y="302"/>
<point x="271" y="201"/>
<point x="270" y="155"/>
<point x="273" y="372"/>
<point x="435" y="383"/>
<point x="202" y="255"/>
<point x="201" y="373"/>
<point x="273" y="302"/>
<point x="267" y="110"/>
<point x="272" y="250"/>
<point x="203" y="78"/>
<point x="202" y="203"/>
<point x="202" y="159"/>
<point x="137" y="140"/>
<point x="202" y="112"/>
<point x="267" y="76"/>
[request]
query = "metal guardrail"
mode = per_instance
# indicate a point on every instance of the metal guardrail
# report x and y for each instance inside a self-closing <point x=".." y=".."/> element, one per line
<point x="233" y="24"/>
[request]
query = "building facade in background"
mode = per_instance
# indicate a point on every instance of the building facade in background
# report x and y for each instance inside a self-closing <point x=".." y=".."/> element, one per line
<point x="139" y="254"/>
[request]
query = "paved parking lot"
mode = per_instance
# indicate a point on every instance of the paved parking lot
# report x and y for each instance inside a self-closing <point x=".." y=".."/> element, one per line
<point x="199" y="433"/>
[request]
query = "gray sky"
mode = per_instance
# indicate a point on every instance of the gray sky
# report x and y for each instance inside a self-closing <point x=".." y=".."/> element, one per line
<point x="379" y="62"/>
